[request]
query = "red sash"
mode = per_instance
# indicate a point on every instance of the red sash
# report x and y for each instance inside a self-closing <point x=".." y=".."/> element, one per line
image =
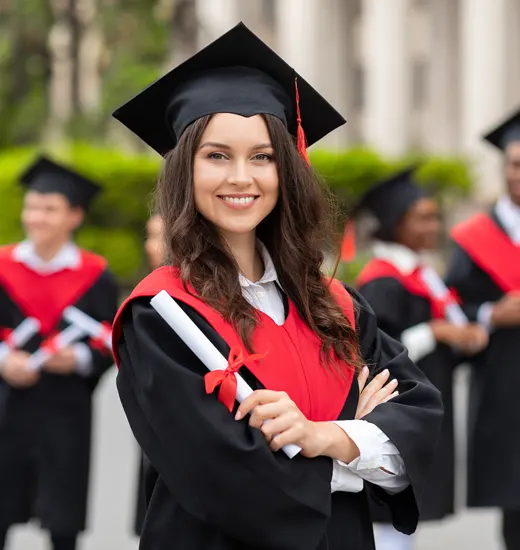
<point x="413" y="283"/>
<point x="491" y="250"/>
<point x="46" y="296"/>
<point x="289" y="355"/>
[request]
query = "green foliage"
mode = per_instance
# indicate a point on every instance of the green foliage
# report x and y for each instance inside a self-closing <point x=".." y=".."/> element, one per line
<point x="115" y="225"/>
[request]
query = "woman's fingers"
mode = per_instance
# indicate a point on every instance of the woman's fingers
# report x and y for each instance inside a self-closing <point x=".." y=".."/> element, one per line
<point x="380" y="396"/>
<point x="258" y="397"/>
<point x="375" y="385"/>
<point x="395" y="394"/>
<point x="362" y="378"/>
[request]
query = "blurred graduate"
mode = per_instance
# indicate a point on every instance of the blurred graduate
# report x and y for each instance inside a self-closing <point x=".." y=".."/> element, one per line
<point x="412" y="305"/>
<point x="46" y="412"/>
<point x="485" y="271"/>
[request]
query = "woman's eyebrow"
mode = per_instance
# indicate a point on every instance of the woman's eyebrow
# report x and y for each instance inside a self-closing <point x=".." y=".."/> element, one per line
<point x="214" y="144"/>
<point x="262" y="146"/>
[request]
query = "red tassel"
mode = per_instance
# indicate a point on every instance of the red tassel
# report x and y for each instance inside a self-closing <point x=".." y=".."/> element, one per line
<point x="348" y="246"/>
<point x="301" y="140"/>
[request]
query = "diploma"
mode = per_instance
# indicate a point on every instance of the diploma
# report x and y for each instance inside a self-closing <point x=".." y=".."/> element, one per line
<point x="199" y="344"/>
<point x="436" y="285"/>
<point x="19" y="336"/>
<point x="90" y="326"/>
<point x="65" y="338"/>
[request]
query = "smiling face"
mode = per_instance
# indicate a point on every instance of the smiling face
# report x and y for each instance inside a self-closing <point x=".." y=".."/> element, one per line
<point x="235" y="177"/>
<point x="48" y="219"/>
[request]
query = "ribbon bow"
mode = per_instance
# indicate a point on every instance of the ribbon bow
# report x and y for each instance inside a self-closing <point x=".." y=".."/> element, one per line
<point x="105" y="334"/>
<point x="227" y="379"/>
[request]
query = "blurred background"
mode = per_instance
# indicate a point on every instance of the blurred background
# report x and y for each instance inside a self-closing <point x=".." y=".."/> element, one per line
<point x="416" y="80"/>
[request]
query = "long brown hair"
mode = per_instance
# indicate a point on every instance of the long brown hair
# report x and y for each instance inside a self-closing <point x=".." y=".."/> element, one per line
<point x="296" y="232"/>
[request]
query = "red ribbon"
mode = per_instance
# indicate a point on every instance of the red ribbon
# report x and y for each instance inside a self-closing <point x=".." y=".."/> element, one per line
<point x="99" y="342"/>
<point x="226" y="379"/>
<point x="6" y="335"/>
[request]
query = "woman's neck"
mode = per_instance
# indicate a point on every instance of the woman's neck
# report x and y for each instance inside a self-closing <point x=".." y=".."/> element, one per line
<point x="243" y="248"/>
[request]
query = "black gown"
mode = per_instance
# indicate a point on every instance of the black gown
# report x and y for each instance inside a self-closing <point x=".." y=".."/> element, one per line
<point x="397" y="309"/>
<point x="45" y="430"/>
<point x="494" y="410"/>
<point x="214" y="484"/>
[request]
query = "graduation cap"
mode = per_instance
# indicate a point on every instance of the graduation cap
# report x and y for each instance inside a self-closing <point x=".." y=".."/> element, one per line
<point x="238" y="74"/>
<point x="389" y="200"/>
<point x="45" y="176"/>
<point x="505" y="133"/>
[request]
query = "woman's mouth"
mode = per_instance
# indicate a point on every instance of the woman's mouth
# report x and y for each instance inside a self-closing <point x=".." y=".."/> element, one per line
<point x="238" y="201"/>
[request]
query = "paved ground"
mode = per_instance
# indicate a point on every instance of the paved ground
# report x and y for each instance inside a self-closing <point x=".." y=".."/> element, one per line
<point x="114" y="479"/>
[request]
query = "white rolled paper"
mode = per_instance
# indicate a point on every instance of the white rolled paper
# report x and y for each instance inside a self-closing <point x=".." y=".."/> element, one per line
<point x="90" y="326"/>
<point x="436" y="285"/>
<point x="65" y="338"/>
<point x="199" y="344"/>
<point x="20" y="336"/>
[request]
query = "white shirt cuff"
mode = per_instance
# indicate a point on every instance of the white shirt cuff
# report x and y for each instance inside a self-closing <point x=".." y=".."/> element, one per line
<point x="484" y="316"/>
<point x="376" y="451"/>
<point x="419" y="340"/>
<point x="83" y="355"/>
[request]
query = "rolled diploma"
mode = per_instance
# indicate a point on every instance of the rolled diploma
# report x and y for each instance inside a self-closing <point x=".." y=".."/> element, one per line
<point x="199" y="344"/>
<point x="66" y="337"/>
<point x="90" y="326"/>
<point x="436" y="285"/>
<point x="19" y="336"/>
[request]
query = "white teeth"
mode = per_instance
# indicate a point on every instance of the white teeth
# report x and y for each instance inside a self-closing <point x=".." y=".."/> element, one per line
<point x="242" y="200"/>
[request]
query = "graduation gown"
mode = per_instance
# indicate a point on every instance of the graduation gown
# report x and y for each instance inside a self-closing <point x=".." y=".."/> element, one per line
<point x="45" y="429"/>
<point x="484" y="274"/>
<point x="213" y="483"/>
<point x="399" y="306"/>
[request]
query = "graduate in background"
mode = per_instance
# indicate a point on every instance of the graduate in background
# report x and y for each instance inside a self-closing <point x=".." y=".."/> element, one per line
<point x="236" y="171"/>
<point x="154" y="247"/>
<point x="485" y="271"/>
<point x="45" y="416"/>
<point x="398" y="286"/>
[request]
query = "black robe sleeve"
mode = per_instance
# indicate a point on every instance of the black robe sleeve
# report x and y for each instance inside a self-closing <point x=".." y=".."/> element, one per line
<point x="103" y="302"/>
<point x="411" y="421"/>
<point x="221" y="471"/>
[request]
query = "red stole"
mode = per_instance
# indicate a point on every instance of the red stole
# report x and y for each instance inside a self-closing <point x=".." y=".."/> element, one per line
<point x="290" y="354"/>
<point x="491" y="250"/>
<point x="412" y="282"/>
<point x="45" y="296"/>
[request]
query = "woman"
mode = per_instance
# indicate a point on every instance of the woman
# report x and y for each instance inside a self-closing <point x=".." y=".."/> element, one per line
<point x="408" y="307"/>
<point x="245" y="223"/>
<point x="154" y="248"/>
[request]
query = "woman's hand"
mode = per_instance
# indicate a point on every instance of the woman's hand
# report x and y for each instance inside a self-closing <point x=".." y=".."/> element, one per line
<point x="282" y="423"/>
<point x="375" y="393"/>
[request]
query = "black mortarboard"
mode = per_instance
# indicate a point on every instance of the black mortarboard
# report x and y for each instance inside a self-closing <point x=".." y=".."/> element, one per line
<point x="45" y="176"/>
<point x="389" y="200"/>
<point x="507" y="132"/>
<point x="237" y="73"/>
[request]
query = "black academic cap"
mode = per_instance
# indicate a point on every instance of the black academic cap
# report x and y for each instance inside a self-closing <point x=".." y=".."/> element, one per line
<point x="507" y="132"/>
<point x="237" y="73"/>
<point x="45" y="176"/>
<point x="389" y="200"/>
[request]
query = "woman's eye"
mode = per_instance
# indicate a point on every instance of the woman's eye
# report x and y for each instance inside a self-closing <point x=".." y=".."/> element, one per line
<point x="262" y="156"/>
<point x="216" y="156"/>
